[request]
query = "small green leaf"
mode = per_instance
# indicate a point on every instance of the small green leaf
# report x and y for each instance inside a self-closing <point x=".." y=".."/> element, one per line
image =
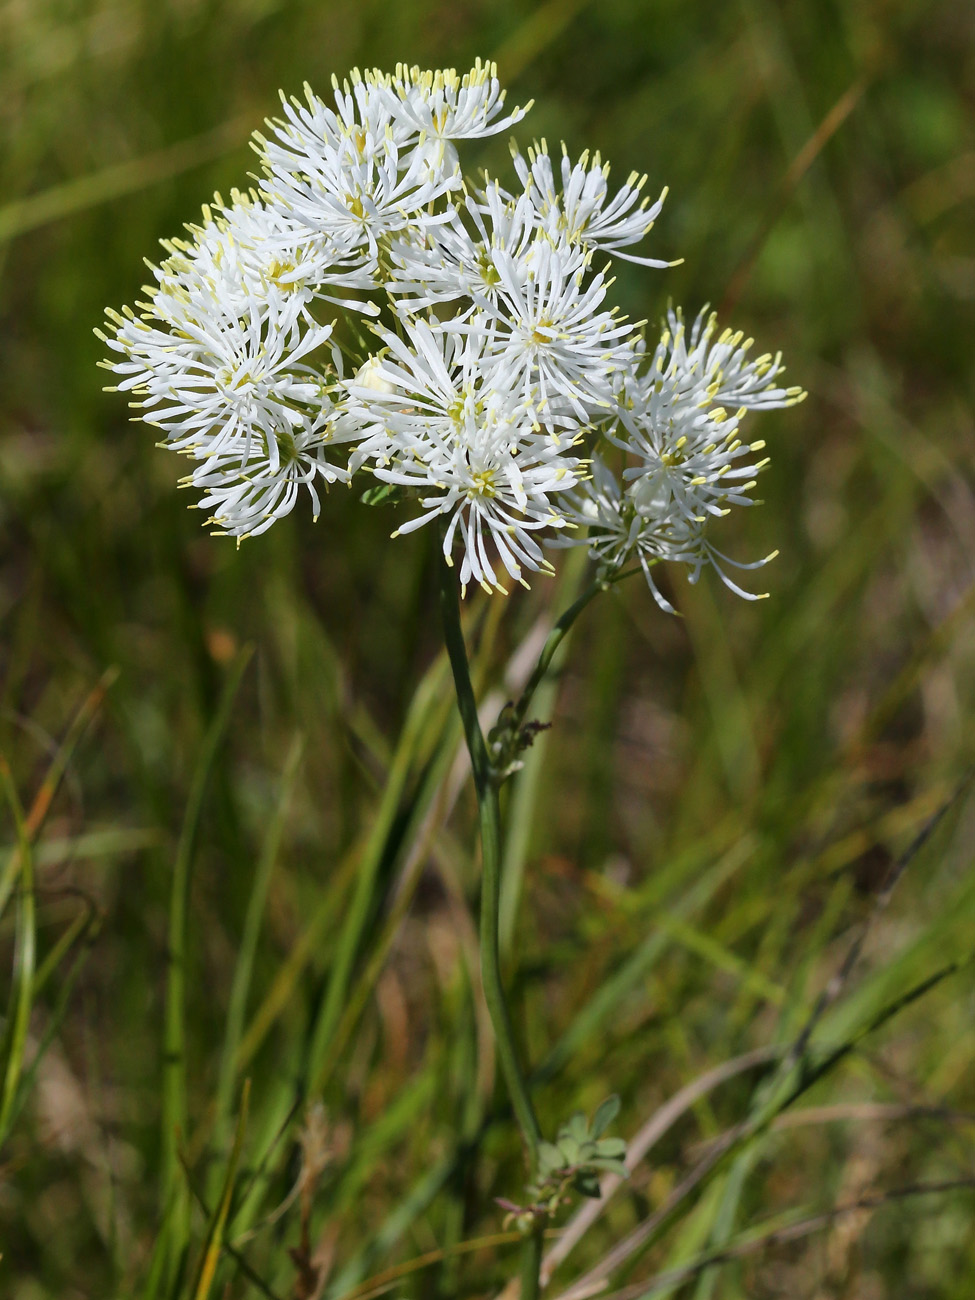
<point x="577" y="1127"/>
<point x="606" y="1112"/>
<point x="571" y="1151"/>
<point x="610" y="1147"/>
<point x="549" y="1158"/>
<point x="375" y="495"/>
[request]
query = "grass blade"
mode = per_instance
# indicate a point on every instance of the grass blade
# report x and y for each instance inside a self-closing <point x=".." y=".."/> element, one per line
<point x="215" y="1233"/>
<point x="174" y="1047"/>
<point x="25" y="952"/>
<point x="244" y="967"/>
<point x="41" y="806"/>
<point x="113" y="182"/>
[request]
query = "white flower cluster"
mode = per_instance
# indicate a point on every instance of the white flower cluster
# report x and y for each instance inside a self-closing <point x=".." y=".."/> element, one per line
<point x="368" y="309"/>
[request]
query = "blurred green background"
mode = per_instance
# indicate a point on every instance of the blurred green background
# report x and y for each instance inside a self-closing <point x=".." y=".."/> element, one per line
<point x="698" y="838"/>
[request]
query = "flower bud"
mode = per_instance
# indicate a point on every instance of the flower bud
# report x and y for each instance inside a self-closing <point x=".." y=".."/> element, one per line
<point x="370" y="375"/>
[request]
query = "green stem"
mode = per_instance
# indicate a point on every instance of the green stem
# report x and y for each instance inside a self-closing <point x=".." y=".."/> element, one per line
<point x="489" y="815"/>
<point x="531" y="1263"/>
<point x="554" y="639"/>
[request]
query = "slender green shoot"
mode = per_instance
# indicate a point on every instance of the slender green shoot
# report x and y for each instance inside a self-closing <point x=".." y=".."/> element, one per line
<point x="174" y="1111"/>
<point x="14" y="1043"/>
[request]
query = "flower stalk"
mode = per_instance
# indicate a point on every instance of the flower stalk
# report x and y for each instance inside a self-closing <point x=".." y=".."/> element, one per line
<point x="489" y="821"/>
<point x="513" y="733"/>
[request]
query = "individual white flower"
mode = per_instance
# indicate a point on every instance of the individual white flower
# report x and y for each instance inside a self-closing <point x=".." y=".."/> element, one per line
<point x="443" y="106"/>
<point x="454" y="262"/>
<point x="552" y="338"/>
<point x="473" y="451"/>
<point x="345" y="177"/>
<point x="686" y="460"/>
<point x="717" y="368"/>
<point x="623" y="529"/>
<point x="691" y="462"/>
<point x="358" y="127"/>
<point x="582" y="212"/>
<point x="618" y="532"/>
<point x="247" y="489"/>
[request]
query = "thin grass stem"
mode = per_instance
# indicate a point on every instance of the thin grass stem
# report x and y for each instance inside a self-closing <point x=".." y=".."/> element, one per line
<point x="174" y="1108"/>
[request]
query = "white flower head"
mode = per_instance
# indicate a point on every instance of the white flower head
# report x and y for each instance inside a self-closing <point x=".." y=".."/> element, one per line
<point x="687" y="462"/>
<point x="621" y="530"/>
<point x="552" y="339"/>
<point x="716" y="367"/>
<point x="581" y="211"/>
<point x="690" y="460"/>
<point x="247" y="489"/>
<point x="500" y="354"/>
<point x="618" y="532"/>
<point x="473" y="453"/>
<point x="443" y="105"/>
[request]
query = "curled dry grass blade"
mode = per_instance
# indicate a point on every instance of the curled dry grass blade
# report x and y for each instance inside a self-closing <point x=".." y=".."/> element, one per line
<point x="765" y="1114"/>
<point x="642" y="1142"/>
<point x="798" y="1073"/>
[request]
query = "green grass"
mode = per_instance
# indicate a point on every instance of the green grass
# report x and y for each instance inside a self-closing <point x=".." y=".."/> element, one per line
<point x="241" y="1032"/>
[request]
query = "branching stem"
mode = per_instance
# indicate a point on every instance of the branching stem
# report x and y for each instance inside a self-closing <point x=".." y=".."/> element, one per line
<point x="486" y="785"/>
<point x="554" y="639"/>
